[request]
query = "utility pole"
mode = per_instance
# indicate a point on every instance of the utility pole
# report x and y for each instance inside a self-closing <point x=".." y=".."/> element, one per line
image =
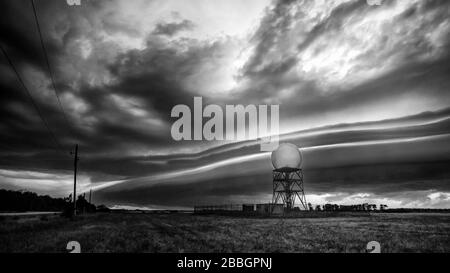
<point x="75" y="163"/>
<point x="90" y="195"/>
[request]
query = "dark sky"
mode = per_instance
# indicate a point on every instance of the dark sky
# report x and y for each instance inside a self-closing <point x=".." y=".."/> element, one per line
<point x="363" y="90"/>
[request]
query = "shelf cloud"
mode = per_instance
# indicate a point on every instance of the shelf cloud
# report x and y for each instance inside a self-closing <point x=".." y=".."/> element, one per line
<point x="363" y="90"/>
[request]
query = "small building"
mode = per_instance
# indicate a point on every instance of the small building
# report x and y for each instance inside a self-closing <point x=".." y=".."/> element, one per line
<point x="270" y="208"/>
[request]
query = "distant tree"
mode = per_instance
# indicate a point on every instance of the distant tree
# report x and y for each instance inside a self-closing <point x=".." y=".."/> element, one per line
<point x="330" y="207"/>
<point x="83" y="206"/>
<point x="310" y="206"/>
<point x="318" y="208"/>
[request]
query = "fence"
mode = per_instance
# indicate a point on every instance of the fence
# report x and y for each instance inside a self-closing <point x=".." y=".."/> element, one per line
<point x="218" y="208"/>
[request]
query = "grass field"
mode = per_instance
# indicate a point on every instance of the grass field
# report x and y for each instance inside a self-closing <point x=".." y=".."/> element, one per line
<point x="121" y="232"/>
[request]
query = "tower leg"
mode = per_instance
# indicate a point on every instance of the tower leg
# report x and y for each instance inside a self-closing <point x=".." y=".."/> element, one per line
<point x="288" y="185"/>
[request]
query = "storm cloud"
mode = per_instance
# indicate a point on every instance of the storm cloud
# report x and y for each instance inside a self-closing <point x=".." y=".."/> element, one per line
<point x="363" y="90"/>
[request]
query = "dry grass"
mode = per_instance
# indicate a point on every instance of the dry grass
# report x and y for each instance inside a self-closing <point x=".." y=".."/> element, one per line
<point x="420" y="232"/>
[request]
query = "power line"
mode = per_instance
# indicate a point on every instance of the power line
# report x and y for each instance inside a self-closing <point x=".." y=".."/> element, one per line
<point x="58" y="145"/>
<point x="59" y="101"/>
<point x="48" y="64"/>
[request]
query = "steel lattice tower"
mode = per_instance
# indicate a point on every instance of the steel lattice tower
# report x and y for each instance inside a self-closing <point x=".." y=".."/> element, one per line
<point x="287" y="185"/>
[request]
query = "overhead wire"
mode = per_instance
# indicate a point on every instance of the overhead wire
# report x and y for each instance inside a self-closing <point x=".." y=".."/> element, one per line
<point x="33" y="102"/>
<point x="48" y="65"/>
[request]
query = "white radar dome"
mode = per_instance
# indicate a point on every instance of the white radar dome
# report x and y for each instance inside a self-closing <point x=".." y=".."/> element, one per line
<point x="287" y="155"/>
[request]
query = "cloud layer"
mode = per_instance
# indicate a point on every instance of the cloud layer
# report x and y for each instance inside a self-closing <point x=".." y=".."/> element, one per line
<point x="363" y="89"/>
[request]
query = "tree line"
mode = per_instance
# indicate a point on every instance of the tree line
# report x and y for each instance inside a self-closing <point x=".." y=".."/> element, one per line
<point x="22" y="201"/>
